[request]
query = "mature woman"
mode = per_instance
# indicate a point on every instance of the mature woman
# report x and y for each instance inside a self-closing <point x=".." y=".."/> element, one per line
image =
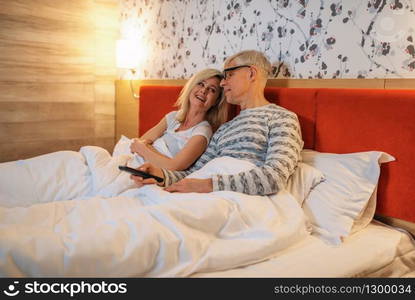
<point x="183" y="135"/>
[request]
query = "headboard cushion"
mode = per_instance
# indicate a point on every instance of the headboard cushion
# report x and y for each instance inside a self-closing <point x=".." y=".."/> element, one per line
<point x="363" y="120"/>
<point x="302" y="102"/>
<point x="155" y="102"/>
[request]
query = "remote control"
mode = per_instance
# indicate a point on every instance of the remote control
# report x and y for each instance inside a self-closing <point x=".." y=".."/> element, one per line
<point x="140" y="173"/>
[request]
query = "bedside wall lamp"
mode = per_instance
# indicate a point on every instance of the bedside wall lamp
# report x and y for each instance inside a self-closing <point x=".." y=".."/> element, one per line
<point x="128" y="57"/>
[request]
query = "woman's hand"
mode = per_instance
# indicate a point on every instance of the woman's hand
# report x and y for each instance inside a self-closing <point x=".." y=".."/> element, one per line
<point x="148" y="168"/>
<point x="139" y="146"/>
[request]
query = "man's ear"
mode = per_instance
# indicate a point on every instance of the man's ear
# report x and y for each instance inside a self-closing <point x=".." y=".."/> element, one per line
<point x="254" y="72"/>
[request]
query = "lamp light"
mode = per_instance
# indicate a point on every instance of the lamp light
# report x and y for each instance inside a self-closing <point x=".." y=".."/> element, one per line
<point x="128" y="58"/>
<point x="128" y="54"/>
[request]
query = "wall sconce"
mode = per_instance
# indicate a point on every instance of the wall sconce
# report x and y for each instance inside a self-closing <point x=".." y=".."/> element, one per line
<point x="128" y="58"/>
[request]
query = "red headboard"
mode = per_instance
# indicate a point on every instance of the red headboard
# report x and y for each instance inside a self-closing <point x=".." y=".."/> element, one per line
<point x="337" y="121"/>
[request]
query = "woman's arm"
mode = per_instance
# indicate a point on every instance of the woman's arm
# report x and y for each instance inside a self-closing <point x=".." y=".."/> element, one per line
<point x="182" y="160"/>
<point x="155" y="132"/>
<point x="149" y="137"/>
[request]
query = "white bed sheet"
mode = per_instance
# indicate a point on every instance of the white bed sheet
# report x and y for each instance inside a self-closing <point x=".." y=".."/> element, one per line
<point x="376" y="251"/>
<point x="66" y="175"/>
<point x="105" y="228"/>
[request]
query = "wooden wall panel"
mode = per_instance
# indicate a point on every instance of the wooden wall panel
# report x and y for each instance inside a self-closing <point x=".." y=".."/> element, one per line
<point x="104" y="110"/>
<point x="46" y="130"/>
<point x="57" y="72"/>
<point x="104" y="91"/>
<point x="22" y="112"/>
<point x="67" y="10"/>
<point x="400" y="84"/>
<point x="45" y="72"/>
<point x="17" y="150"/>
<point x="41" y="92"/>
<point x="105" y="18"/>
<point x="33" y="52"/>
<point x="36" y="29"/>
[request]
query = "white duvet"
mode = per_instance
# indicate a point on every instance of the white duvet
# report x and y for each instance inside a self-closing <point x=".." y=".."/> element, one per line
<point x="75" y="214"/>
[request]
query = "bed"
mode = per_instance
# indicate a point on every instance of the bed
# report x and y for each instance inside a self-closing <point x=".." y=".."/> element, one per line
<point x="78" y="216"/>
<point x="339" y="121"/>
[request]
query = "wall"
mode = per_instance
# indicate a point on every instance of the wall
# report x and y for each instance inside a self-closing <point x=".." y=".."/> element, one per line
<point x="57" y="74"/>
<point x="303" y="38"/>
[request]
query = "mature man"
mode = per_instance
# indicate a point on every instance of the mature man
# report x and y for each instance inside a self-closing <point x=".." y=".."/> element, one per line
<point x="265" y="134"/>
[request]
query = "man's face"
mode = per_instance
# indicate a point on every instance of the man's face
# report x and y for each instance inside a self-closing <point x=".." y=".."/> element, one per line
<point x="235" y="82"/>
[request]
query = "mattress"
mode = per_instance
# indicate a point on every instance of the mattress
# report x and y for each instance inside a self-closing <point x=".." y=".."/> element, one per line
<point x="376" y="251"/>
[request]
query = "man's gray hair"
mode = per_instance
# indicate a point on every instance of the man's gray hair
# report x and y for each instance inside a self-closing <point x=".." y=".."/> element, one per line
<point x="252" y="57"/>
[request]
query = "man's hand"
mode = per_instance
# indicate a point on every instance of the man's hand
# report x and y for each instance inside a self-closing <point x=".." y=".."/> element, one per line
<point x="189" y="185"/>
<point x="148" y="168"/>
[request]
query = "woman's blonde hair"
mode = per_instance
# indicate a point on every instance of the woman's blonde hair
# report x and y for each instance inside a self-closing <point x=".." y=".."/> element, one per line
<point x="217" y="114"/>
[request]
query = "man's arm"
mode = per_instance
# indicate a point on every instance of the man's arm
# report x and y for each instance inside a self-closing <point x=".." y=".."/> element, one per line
<point x="284" y="147"/>
<point x="171" y="177"/>
<point x="191" y="185"/>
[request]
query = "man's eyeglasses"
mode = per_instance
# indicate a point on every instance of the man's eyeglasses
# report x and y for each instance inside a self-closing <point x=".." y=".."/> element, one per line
<point x="232" y="69"/>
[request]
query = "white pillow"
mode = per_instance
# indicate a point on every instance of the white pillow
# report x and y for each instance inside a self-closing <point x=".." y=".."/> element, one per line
<point x="122" y="146"/>
<point x="300" y="183"/>
<point x="303" y="180"/>
<point x="367" y="214"/>
<point x="337" y="203"/>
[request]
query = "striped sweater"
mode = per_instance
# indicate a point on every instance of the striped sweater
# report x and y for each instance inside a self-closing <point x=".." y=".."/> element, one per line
<point x="268" y="136"/>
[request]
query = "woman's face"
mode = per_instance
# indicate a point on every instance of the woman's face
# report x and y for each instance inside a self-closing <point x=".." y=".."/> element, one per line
<point x="205" y="93"/>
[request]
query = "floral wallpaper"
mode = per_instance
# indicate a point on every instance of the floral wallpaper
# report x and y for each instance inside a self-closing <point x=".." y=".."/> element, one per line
<point x="302" y="38"/>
